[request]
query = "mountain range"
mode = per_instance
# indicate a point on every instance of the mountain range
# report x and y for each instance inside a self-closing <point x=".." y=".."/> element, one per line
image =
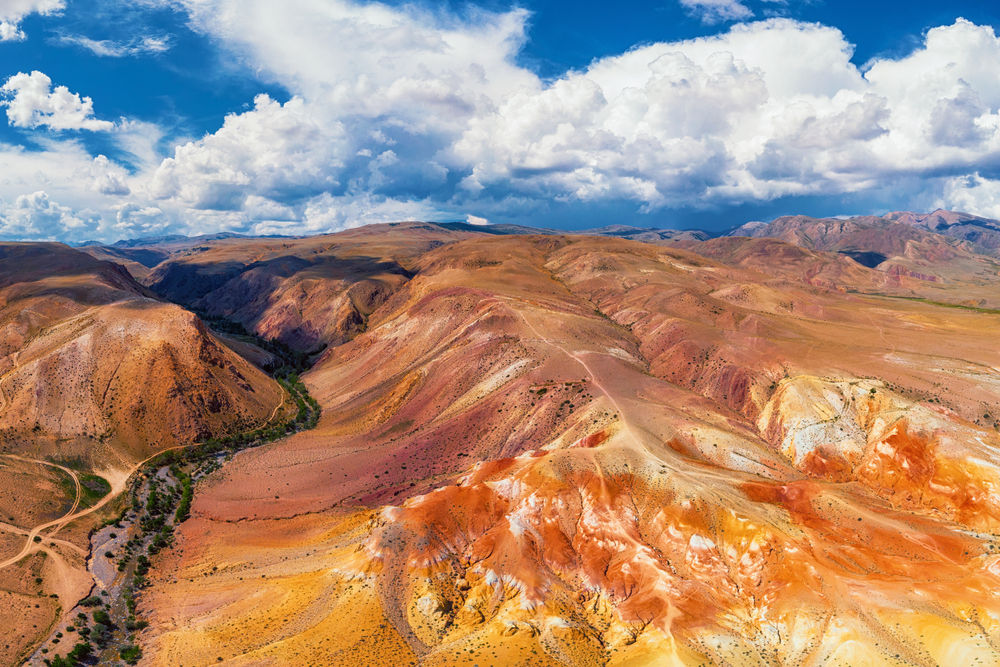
<point x="615" y="447"/>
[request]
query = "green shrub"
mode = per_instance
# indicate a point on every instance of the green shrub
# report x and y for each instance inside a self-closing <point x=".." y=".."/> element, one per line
<point x="130" y="654"/>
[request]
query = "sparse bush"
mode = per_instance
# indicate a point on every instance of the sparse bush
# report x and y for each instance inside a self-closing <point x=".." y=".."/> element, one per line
<point x="80" y="653"/>
<point x="130" y="654"/>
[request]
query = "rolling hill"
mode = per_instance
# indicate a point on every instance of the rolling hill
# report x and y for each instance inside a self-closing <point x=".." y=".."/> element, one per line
<point x="96" y="374"/>
<point x="95" y="367"/>
<point x="584" y="450"/>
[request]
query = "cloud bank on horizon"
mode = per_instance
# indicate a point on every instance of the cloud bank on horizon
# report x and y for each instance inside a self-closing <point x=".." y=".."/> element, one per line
<point x="414" y="112"/>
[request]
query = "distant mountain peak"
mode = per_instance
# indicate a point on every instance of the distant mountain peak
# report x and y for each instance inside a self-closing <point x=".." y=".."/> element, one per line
<point x="888" y="234"/>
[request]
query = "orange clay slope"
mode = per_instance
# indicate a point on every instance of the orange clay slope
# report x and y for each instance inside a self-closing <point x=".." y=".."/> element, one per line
<point x="589" y="451"/>
<point x="92" y="368"/>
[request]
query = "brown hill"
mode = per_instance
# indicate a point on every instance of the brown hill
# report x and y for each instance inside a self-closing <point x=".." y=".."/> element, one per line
<point x="982" y="233"/>
<point x="866" y="234"/>
<point x="93" y="368"/>
<point x="916" y="261"/>
<point x="95" y="375"/>
<point x="304" y="292"/>
<point x="582" y="450"/>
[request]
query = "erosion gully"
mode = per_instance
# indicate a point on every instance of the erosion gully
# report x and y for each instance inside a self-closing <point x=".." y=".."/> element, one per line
<point x="102" y="628"/>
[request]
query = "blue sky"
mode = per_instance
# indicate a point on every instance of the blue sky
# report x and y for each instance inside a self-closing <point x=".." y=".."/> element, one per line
<point x="126" y="119"/>
<point x="563" y="38"/>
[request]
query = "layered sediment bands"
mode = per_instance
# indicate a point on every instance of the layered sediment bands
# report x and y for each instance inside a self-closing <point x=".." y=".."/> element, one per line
<point x="93" y="368"/>
<point x="944" y="255"/>
<point x="982" y="233"/>
<point x="568" y="450"/>
<point x="917" y="457"/>
<point x="867" y="233"/>
<point x="607" y="546"/>
<point x="788" y="263"/>
<point x="733" y="333"/>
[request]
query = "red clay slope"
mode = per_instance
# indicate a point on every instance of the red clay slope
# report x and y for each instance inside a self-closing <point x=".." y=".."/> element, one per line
<point x="574" y="450"/>
<point x="924" y="256"/>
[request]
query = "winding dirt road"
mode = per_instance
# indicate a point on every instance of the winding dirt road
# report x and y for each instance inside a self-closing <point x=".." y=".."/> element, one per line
<point x="592" y="376"/>
<point x="17" y="530"/>
<point x="118" y="482"/>
<point x="30" y="545"/>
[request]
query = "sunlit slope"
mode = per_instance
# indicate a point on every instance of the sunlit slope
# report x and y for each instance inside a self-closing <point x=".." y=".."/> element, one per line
<point x="93" y="368"/>
<point x="95" y="375"/>
<point x="575" y="450"/>
<point x="943" y="256"/>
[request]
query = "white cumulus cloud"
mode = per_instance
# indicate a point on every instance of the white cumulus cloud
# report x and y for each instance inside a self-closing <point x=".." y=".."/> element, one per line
<point x="402" y="105"/>
<point x="32" y="102"/>
<point x="274" y="150"/>
<point x="398" y="112"/>
<point x="13" y="11"/>
<point x="37" y="216"/>
<point x="972" y="194"/>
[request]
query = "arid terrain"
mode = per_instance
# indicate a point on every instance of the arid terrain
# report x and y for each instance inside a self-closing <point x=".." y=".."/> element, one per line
<point x="96" y="374"/>
<point x="943" y="255"/>
<point x="499" y="333"/>
<point x="542" y="449"/>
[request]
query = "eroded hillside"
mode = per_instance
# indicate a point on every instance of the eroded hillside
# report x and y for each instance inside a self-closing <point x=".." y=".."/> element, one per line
<point x="945" y="256"/>
<point x="580" y="450"/>
<point x="306" y="293"/>
<point x="96" y="374"/>
<point x="93" y="367"/>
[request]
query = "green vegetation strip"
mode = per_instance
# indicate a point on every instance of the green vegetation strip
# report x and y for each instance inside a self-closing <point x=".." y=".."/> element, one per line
<point x="931" y="302"/>
<point x="108" y="631"/>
